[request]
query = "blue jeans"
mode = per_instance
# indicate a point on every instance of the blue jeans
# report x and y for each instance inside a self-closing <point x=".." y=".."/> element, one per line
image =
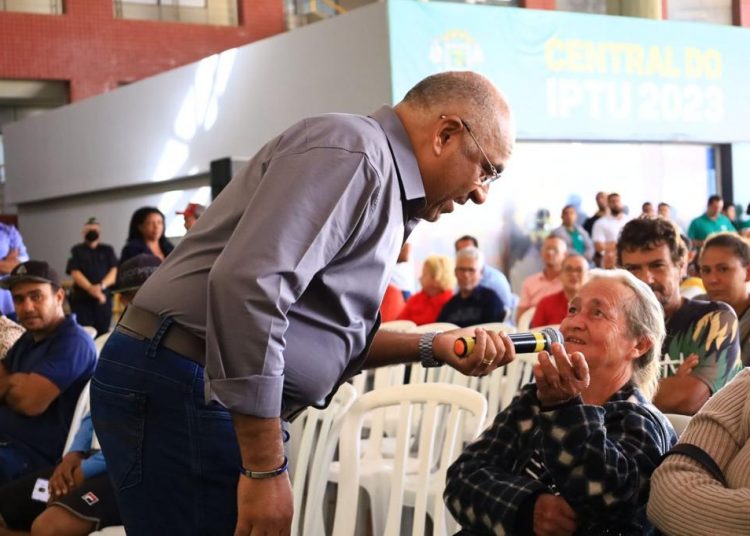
<point x="173" y="460"/>
<point x="14" y="462"/>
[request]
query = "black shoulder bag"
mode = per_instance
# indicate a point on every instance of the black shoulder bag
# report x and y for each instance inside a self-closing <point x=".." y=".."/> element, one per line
<point x="701" y="456"/>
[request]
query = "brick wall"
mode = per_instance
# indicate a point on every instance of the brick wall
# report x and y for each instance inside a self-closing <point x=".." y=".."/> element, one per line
<point x="95" y="52"/>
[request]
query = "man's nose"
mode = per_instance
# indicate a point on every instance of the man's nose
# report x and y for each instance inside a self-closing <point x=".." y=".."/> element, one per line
<point x="479" y="194"/>
<point x="23" y="305"/>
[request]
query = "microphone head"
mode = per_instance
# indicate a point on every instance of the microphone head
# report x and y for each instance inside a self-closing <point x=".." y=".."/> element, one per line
<point x="553" y="335"/>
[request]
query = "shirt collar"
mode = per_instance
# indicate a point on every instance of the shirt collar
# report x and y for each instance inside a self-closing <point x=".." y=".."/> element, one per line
<point x="403" y="153"/>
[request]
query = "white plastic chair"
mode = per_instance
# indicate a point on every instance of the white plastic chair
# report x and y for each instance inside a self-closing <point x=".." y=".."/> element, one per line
<point x="524" y="321"/>
<point x="434" y="326"/>
<point x="497" y="326"/>
<point x="419" y="374"/>
<point x="679" y="422"/>
<point x="400" y="326"/>
<point x="444" y="410"/>
<point x="670" y="365"/>
<point x="118" y="530"/>
<point x="691" y="292"/>
<point x="313" y="439"/>
<point x="90" y="330"/>
<point x="82" y="408"/>
<point x="517" y="374"/>
<point x="100" y="341"/>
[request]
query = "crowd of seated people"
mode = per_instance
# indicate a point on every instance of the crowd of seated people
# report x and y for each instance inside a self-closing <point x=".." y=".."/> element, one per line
<point x="80" y="497"/>
<point x="42" y="374"/>
<point x="46" y="359"/>
<point x="524" y="486"/>
<point x="49" y="358"/>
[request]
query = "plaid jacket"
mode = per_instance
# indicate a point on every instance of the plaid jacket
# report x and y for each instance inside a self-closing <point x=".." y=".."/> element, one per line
<point x="598" y="458"/>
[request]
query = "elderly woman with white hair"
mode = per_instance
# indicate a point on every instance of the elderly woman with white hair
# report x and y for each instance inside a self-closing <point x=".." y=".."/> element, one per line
<point x="574" y="452"/>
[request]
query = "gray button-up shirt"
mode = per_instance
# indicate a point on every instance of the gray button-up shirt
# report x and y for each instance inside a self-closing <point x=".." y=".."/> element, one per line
<point x="284" y="273"/>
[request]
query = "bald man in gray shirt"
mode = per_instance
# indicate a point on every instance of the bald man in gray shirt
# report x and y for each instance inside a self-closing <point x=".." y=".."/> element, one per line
<point x="273" y="300"/>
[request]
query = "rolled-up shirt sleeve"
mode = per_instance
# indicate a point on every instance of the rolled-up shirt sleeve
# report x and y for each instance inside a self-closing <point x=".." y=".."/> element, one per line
<point x="305" y="210"/>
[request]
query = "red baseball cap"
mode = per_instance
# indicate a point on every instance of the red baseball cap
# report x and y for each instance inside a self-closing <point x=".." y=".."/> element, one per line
<point x="193" y="209"/>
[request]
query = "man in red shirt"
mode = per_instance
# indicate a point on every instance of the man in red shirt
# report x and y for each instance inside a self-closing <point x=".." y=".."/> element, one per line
<point x="553" y="308"/>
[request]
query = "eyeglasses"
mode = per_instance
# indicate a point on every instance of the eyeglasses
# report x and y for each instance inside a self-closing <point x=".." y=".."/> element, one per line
<point x="493" y="174"/>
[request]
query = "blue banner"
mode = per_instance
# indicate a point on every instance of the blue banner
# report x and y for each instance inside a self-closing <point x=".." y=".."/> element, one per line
<point x="571" y="76"/>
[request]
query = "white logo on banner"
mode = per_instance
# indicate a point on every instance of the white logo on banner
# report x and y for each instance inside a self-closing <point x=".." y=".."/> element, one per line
<point x="456" y="50"/>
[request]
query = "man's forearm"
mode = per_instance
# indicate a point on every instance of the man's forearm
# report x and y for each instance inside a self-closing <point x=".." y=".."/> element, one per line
<point x="7" y="265"/>
<point x="391" y="348"/>
<point x="684" y="395"/>
<point x="260" y="442"/>
<point x="4" y="382"/>
<point x="81" y="280"/>
<point x="110" y="278"/>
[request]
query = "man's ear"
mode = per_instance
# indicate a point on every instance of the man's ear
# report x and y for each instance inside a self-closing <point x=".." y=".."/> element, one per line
<point x="447" y="128"/>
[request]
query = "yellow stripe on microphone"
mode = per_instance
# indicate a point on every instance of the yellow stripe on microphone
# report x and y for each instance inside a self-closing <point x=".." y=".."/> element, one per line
<point x="540" y="340"/>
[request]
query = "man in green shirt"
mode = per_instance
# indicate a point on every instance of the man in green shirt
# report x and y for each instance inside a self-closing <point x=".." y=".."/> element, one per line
<point x="713" y="221"/>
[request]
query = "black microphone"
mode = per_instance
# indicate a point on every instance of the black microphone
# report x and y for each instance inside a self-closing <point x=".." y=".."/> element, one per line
<point x="525" y="343"/>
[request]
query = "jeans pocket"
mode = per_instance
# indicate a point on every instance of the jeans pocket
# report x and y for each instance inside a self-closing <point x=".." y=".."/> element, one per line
<point x="119" y="416"/>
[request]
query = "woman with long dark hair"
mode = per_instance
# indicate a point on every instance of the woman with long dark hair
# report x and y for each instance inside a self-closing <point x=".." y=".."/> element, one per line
<point x="146" y="235"/>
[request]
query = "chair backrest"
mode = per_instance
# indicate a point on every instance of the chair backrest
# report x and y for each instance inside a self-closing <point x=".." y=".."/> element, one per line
<point x="524" y="321"/>
<point x="516" y="374"/>
<point x="434" y="326"/>
<point x="497" y="326"/>
<point x="400" y="326"/>
<point x="90" y="330"/>
<point x="679" y="422"/>
<point x="669" y="364"/>
<point x="312" y="443"/>
<point x="100" y="341"/>
<point x="691" y="292"/>
<point x="444" y="411"/>
<point x="419" y="374"/>
<point x="82" y="408"/>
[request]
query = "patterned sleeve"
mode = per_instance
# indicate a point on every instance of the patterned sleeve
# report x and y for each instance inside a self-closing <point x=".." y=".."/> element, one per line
<point x="481" y="491"/>
<point x="720" y="352"/>
<point x="602" y="457"/>
<point x="10" y="332"/>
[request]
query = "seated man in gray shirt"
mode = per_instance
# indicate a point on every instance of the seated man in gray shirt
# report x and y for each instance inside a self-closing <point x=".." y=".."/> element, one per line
<point x="492" y="278"/>
<point x="273" y="297"/>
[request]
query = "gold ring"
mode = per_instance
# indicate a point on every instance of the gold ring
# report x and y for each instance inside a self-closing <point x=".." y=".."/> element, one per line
<point x="487" y="363"/>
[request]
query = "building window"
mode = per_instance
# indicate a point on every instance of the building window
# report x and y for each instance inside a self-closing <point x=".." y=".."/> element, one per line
<point x="217" y="12"/>
<point x="711" y="11"/>
<point x="44" y="7"/>
<point x="583" y="6"/>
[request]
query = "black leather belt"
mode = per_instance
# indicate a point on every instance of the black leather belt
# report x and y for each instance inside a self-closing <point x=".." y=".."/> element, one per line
<point x="142" y="324"/>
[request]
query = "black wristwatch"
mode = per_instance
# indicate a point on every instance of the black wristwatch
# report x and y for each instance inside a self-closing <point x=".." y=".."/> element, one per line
<point x="426" y="355"/>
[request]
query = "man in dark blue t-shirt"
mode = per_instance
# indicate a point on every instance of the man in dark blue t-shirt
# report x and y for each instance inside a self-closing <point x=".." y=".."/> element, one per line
<point x="473" y="304"/>
<point x="43" y="373"/>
